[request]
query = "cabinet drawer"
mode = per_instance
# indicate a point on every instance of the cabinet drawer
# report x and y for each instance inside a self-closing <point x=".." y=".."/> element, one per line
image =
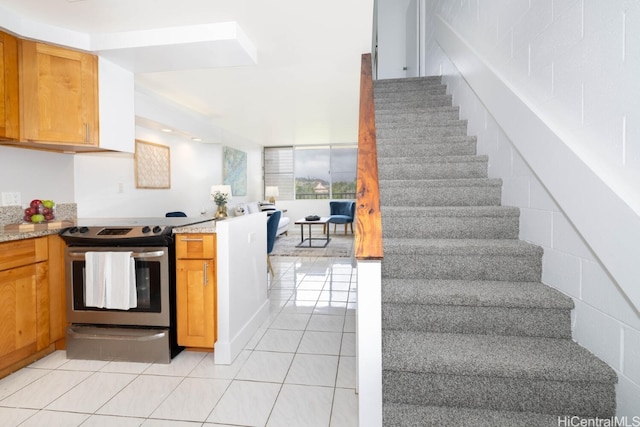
<point x="195" y="246"/>
<point x="22" y="252"/>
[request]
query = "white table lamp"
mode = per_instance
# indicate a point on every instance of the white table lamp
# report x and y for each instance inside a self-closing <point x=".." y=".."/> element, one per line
<point x="271" y="193"/>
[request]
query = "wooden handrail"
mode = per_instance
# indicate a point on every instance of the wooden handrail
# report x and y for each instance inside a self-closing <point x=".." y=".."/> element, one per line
<point x="368" y="244"/>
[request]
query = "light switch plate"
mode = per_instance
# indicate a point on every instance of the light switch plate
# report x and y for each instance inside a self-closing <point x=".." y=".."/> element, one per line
<point x="11" y="198"/>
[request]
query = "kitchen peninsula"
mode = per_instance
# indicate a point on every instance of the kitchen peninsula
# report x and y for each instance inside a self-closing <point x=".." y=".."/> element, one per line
<point x="241" y="299"/>
<point x="239" y="270"/>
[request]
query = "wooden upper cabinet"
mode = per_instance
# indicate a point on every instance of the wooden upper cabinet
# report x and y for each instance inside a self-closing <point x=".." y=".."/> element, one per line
<point x="58" y="94"/>
<point x="9" y="103"/>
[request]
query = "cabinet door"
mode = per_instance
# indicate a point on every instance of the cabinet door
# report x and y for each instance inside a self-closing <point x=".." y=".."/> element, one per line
<point x="18" y="316"/>
<point x="196" y="305"/>
<point x="9" y="103"/>
<point x="59" y="94"/>
<point x="57" y="290"/>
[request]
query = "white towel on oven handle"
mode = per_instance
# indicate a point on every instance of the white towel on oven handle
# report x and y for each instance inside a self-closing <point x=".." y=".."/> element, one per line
<point x="120" y="283"/>
<point x="94" y="280"/>
<point x="110" y="280"/>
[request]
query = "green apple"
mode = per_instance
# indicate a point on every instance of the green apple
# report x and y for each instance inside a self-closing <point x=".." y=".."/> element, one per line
<point x="37" y="218"/>
<point x="48" y="203"/>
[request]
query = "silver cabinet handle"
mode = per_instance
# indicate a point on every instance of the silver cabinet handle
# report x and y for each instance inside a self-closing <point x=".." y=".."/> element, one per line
<point x="192" y="239"/>
<point x="206" y="274"/>
<point x="87" y="135"/>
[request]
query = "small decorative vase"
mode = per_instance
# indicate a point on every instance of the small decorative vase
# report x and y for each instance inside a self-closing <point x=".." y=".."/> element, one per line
<point x="221" y="212"/>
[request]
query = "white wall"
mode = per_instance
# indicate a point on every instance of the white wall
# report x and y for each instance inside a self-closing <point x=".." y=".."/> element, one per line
<point x="195" y="167"/>
<point x="571" y="64"/>
<point x="36" y="174"/>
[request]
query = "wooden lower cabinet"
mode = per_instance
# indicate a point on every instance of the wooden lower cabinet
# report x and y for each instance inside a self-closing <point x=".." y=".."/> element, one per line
<point x="32" y="300"/>
<point x="18" y="320"/>
<point x="196" y="290"/>
<point x="24" y="300"/>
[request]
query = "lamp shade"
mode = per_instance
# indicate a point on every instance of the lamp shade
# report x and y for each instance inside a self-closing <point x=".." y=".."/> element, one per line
<point x="223" y="189"/>
<point x="271" y="191"/>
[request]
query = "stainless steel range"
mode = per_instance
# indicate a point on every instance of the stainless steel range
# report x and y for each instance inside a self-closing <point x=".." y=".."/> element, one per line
<point x="130" y="260"/>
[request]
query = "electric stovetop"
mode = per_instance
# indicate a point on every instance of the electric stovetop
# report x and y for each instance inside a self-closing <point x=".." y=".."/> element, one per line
<point x="143" y="230"/>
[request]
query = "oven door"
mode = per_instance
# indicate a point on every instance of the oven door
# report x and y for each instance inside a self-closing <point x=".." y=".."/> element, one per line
<point x="152" y="288"/>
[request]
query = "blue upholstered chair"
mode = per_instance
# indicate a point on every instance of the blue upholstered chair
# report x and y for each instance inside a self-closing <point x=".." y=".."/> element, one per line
<point x="272" y="232"/>
<point x="342" y="212"/>
<point x="176" y="213"/>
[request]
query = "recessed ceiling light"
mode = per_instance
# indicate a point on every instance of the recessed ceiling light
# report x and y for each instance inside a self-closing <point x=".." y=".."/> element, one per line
<point x="166" y="130"/>
<point x="196" y="139"/>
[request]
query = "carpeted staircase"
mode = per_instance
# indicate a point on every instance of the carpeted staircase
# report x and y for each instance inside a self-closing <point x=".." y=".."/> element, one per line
<point x="470" y="336"/>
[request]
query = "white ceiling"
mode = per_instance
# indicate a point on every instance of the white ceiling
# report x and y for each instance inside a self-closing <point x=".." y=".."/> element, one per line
<point x="290" y="77"/>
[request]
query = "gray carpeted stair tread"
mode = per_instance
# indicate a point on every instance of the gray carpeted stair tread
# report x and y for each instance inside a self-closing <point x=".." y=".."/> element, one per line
<point x="496" y="356"/>
<point x="390" y="116"/>
<point x="467" y="247"/>
<point x="431" y="101"/>
<point x="409" y="81"/>
<point x="424" y="139"/>
<point x="440" y="183"/>
<point x="433" y="167"/>
<point x="440" y="192"/>
<point x="455" y="148"/>
<point x="404" y="415"/>
<point x="456" y="129"/>
<point x="432" y="159"/>
<point x="461" y="259"/>
<point x="455" y="222"/>
<point x="480" y="320"/>
<point x="474" y="293"/>
<point x="476" y="307"/>
<point x="447" y="211"/>
<point x="425" y="92"/>
<point x="424" y="123"/>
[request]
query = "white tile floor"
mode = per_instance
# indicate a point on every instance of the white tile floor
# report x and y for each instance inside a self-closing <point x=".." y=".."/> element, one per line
<point x="298" y="370"/>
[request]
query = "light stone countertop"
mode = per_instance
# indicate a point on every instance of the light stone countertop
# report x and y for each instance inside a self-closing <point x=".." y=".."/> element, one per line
<point x="203" y="227"/>
<point x="8" y="236"/>
<point x="13" y="215"/>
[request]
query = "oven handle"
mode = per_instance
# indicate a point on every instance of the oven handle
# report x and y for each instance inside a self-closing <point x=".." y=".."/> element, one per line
<point x="153" y="254"/>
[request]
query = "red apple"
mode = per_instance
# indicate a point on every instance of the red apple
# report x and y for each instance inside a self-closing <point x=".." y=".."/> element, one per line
<point x="45" y="211"/>
<point x="30" y="211"/>
<point x="27" y="218"/>
<point x="48" y="217"/>
<point x="35" y="203"/>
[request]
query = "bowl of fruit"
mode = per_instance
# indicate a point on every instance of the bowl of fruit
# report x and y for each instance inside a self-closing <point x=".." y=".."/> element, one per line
<point x="39" y="211"/>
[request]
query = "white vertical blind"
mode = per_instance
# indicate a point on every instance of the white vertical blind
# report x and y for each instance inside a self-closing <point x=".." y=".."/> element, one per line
<point x="278" y="170"/>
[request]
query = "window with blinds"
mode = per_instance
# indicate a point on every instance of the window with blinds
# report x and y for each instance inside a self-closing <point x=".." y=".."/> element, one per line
<point x="278" y="170"/>
<point x="311" y="172"/>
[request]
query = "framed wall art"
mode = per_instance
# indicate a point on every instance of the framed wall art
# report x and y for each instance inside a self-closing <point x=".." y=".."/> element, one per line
<point x="234" y="170"/>
<point x="152" y="165"/>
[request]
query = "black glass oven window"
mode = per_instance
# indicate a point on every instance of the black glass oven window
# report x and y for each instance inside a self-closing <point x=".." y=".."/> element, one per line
<point x="147" y="286"/>
<point x="113" y="231"/>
